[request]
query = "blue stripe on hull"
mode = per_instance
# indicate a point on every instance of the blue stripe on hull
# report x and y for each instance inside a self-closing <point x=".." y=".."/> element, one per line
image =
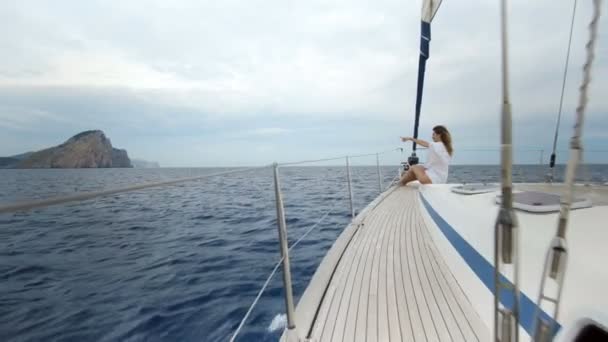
<point x="485" y="271"/>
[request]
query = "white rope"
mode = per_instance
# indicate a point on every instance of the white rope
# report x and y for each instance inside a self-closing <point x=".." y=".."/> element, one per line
<point x="576" y="143"/>
<point x="274" y="270"/>
<point x="583" y="99"/>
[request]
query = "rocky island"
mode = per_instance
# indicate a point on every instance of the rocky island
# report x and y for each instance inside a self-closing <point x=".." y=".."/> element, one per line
<point x="89" y="149"/>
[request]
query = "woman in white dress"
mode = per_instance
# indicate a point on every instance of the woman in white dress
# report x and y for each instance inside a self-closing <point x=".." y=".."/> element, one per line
<point x="435" y="170"/>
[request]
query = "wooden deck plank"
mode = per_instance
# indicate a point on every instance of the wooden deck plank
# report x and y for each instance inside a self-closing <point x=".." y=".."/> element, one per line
<point x="346" y="299"/>
<point x="400" y="292"/>
<point x="429" y="300"/>
<point x="393" y="285"/>
<point x="336" y="282"/>
<point x="473" y="321"/>
<point x="447" y="329"/>
<point x="362" y="313"/>
<point x="414" y="276"/>
<point x="464" y="328"/>
<point x="372" y="302"/>
<point x="338" y="290"/>
<point x="382" y="320"/>
<point x="418" y="333"/>
<point x="351" y="316"/>
<point x="394" y="321"/>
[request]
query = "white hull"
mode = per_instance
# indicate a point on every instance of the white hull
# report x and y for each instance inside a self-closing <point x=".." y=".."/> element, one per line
<point x="387" y="277"/>
<point x="586" y="280"/>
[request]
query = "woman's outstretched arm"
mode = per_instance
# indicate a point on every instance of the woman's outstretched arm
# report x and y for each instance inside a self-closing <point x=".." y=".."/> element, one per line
<point x="417" y="141"/>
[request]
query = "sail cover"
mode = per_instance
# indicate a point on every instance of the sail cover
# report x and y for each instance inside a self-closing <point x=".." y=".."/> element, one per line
<point x="429" y="8"/>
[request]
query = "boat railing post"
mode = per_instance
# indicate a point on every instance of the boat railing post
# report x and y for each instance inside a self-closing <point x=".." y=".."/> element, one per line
<point x="379" y="174"/>
<point x="291" y="326"/>
<point x="350" y="190"/>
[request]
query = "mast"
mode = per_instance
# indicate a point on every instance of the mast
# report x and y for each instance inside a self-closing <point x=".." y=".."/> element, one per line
<point x="429" y="9"/>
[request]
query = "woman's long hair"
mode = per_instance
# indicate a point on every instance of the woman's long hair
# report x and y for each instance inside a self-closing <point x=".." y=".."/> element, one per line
<point x="446" y="137"/>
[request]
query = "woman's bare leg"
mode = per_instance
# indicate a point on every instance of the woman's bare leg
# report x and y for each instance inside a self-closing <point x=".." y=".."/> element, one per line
<point x="407" y="177"/>
<point x="415" y="172"/>
<point x="421" y="175"/>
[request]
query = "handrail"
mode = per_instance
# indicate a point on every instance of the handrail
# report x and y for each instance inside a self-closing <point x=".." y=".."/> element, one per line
<point x="33" y="204"/>
<point x="283" y="244"/>
<point x="291" y="332"/>
<point x="337" y="158"/>
<point x="310" y="161"/>
<point x="377" y="153"/>
<point x="29" y="205"/>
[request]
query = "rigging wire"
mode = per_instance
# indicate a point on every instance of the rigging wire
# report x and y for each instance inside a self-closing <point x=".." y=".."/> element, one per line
<point x="561" y="99"/>
<point x="276" y="267"/>
<point x="557" y="254"/>
<point x="28" y="205"/>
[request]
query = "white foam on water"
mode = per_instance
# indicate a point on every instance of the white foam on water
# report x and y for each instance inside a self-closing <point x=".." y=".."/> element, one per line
<point x="278" y="322"/>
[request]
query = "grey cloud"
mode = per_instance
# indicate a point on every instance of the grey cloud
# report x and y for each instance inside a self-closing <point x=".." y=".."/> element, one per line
<point x="234" y="62"/>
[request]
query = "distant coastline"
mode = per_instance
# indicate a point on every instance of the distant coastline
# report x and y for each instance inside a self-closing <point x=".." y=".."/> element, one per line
<point x="88" y="149"/>
<point x="144" y="164"/>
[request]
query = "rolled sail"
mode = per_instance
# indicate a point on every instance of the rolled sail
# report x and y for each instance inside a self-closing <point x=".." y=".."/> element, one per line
<point x="429" y="8"/>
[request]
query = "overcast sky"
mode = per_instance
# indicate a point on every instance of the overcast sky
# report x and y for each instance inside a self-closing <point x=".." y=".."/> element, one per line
<point x="206" y="83"/>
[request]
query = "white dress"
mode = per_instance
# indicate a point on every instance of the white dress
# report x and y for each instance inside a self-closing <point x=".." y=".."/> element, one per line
<point x="437" y="163"/>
